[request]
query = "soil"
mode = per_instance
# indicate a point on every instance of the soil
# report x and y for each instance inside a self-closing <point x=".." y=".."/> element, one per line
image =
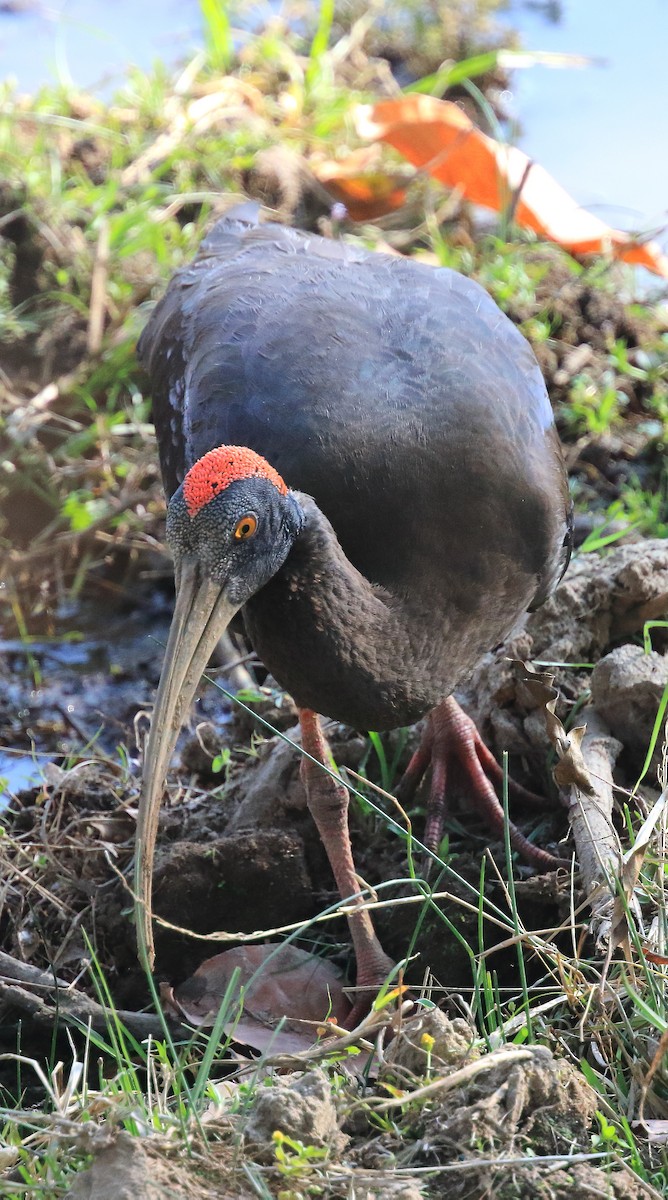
<point x="238" y="852"/>
<point x="486" y="1109"/>
<point x="128" y="1169"/>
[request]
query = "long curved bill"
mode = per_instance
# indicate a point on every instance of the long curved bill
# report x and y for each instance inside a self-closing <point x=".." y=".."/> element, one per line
<point x="201" y="615"/>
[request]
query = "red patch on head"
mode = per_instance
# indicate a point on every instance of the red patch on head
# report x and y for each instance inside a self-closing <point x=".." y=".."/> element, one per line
<point x="219" y="468"/>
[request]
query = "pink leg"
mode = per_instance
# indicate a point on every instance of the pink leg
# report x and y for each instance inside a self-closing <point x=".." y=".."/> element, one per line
<point x="328" y="803"/>
<point x="452" y="738"/>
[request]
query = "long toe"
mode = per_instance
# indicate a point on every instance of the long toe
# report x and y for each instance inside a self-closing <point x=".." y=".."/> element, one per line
<point x="452" y="744"/>
<point x="494" y="772"/>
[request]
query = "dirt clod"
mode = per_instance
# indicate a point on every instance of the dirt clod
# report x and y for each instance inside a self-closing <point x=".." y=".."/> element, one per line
<point x="541" y="1102"/>
<point x="600" y="603"/>
<point x="432" y="1040"/>
<point x="577" y="1182"/>
<point x="127" y="1170"/>
<point x="387" y="1188"/>
<point x="300" y="1107"/>
<point x="626" y="687"/>
<point x="231" y="883"/>
<point x="544" y="1098"/>
<point x="601" y="600"/>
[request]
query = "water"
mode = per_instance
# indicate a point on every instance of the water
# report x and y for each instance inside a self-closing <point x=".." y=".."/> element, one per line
<point x="18" y="771"/>
<point x="91" y="42"/>
<point x="601" y="131"/>
<point x="57" y="695"/>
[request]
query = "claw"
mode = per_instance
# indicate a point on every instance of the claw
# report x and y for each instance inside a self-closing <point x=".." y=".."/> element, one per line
<point x="451" y="739"/>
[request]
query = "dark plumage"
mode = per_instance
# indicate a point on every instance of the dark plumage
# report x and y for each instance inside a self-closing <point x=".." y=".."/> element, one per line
<point x="413" y="411"/>
<point x="404" y="408"/>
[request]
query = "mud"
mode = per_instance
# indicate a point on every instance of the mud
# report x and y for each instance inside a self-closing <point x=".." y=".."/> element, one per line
<point x="302" y="1107"/>
<point x="234" y="883"/>
<point x="462" y="1139"/>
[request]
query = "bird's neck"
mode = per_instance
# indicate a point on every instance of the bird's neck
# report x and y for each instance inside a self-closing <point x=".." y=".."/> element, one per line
<point x="342" y="645"/>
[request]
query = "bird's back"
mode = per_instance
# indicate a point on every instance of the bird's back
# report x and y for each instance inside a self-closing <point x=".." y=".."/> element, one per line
<point x="398" y="395"/>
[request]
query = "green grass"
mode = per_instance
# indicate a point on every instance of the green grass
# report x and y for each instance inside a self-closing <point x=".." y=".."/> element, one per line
<point x="217" y="34"/>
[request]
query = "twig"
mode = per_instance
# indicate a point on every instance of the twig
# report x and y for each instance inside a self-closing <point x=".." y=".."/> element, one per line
<point x="590" y="814"/>
<point x="586" y="758"/>
<point x="18" y="978"/>
<point x="98" y="291"/>
<point x="508" y="1056"/>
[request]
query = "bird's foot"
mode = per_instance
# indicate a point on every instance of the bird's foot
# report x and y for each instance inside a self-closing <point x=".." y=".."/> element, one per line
<point x="365" y="993"/>
<point x="328" y="803"/>
<point x="452" y="740"/>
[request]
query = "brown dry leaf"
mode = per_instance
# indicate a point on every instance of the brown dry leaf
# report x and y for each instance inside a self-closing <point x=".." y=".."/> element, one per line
<point x="439" y="137"/>
<point x="367" y="191"/>
<point x="632" y="862"/>
<point x="281" y="983"/>
<point x="654" y="1130"/>
<point x="657" y="1061"/>
<point x="661" y="960"/>
<point x="571" y="769"/>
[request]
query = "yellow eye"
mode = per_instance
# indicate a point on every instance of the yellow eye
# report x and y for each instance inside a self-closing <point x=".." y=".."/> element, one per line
<point x="245" y="528"/>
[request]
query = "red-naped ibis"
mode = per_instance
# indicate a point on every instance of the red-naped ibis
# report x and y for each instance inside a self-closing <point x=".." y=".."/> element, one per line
<point x="359" y="454"/>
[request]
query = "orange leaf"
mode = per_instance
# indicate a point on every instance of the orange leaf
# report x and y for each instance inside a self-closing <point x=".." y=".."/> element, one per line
<point x="653" y="957"/>
<point x="438" y="136"/>
<point x="357" y="182"/>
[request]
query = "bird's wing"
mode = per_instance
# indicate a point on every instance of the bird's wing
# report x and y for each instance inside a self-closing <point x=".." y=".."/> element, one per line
<point x="397" y="394"/>
<point x="165" y="346"/>
<point x="162" y="345"/>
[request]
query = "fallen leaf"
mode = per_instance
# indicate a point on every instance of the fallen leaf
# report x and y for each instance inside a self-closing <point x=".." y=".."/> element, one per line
<point x="571" y="769"/>
<point x="439" y="137"/>
<point x="660" y="959"/>
<point x="358" y="182"/>
<point x="655" y="1131"/>
<point x="281" y="984"/>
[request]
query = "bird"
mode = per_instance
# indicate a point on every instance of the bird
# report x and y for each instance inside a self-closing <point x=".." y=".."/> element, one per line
<point x="359" y="456"/>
